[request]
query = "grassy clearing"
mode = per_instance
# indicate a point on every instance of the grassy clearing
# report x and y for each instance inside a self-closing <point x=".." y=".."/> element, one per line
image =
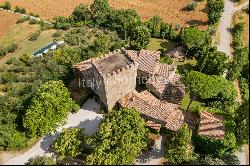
<point x="187" y="65"/>
<point x="243" y="16"/>
<point x="160" y="45"/>
<point x="28" y="47"/>
<point x="185" y="101"/>
<point x="18" y="33"/>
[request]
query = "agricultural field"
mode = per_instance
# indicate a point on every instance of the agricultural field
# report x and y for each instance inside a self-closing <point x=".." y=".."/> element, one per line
<point x="243" y="16"/>
<point x="171" y="11"/>
<point x="7" y="20"/>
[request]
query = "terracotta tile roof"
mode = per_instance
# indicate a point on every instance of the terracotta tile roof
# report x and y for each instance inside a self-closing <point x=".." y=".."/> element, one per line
<point x="167" y="114"/>
<point x="154" y="125"/>
<point x="211" y="125"/>
<point x="147" y="62"/>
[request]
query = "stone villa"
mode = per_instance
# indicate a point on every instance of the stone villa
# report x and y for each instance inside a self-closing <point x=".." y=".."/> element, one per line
<point x="113" y="77"/>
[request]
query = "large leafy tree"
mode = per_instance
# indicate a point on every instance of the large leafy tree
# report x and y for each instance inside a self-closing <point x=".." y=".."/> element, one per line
<point x="192" y="37"/>
<point x="140" y="37"/>
<point x="100" y="10"/>
<point x="209" y="87"/>
<point x="123" y="21"/>
<point x="121" y="137"/>
<point x="215" y="8"/>
<point x="66" y="56"/>
<point x="49" y="109"/>
<point x="81" y="13"/>
<point x="70" y="143"/>
<point x="179" y="148"/>
<point x="154" y="25"/>
<point x="212" y="62"/>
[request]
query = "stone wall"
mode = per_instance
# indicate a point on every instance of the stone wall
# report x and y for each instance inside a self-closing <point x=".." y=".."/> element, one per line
<point x="120" y="83"/>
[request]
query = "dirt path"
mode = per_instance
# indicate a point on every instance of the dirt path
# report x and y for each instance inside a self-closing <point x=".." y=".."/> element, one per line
<point x="87" y="117"/>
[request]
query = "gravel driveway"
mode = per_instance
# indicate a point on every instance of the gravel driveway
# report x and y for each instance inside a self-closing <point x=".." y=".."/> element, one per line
<point x="87" y="117"/>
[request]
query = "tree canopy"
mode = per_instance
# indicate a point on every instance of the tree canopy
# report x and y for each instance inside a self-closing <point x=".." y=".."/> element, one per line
<point x="140" y="37"/>
<point x="215" y="8"/>
<point x="121" y="137"/>
<point x="154" y="25"/>
<point x="210" y="86"/>
<point x="179" y="148"/>
<point x="70" y="143"/>
<point x="48" y="109"/>
<point x="192" y="37"/>
<point x="212" y="62"/>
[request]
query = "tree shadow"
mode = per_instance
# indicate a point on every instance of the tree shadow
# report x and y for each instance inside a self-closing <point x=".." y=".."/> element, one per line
<point x="155" y="153"/>
<point x="90" y="126"/>
<point x="182" y="69"/>
<point x="196" y="22"/>
<point x="48" y="140"/>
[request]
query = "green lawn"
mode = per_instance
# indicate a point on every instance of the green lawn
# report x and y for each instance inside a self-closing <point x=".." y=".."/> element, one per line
<point x="160" y="45"/>
<point x="185" y="101"/>
<point x="187" y="65"/>
<point x="28" y="47"/>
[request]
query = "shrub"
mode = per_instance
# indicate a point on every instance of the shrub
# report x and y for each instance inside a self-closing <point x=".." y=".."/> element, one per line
<point x="20" y="10"/>
<point x="166" y="59"/>
<point x="10" y="61"/>
<point x="33" y="21"/>
<point x="6" y="5"/>
<point x="192" y="6"/>
<point x="34" y="15"/>
<point x="41" y="160"/>
<point x="45" y="26"/>
<point x="215" y="8"/>
<point x="3" y="51"/>
<point x="22" y="19"/>
<point x="11" y="48"/>
<point x="34" y="36"/>
<point x="58" y="33"/>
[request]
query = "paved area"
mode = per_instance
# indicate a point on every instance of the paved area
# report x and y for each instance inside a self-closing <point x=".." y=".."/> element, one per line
<point x="87" y="117"/>
<point x="154" y="156"/>
<point x="225" y="46"/>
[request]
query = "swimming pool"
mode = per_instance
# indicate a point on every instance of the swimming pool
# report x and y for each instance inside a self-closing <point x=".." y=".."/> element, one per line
<point x="50" y="46"/>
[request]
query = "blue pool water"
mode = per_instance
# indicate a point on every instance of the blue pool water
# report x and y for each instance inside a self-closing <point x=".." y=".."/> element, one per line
<point x="41" y="51"/>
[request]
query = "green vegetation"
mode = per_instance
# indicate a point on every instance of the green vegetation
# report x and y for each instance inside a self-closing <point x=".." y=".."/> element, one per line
<point x="208" y="87"/>
<point x="215" y="8"/>
<point x="70" y="143"/>
<point x="166" y="59"/>
<point x="212" y="62"/>
<point x="8" y="49"/>
<point x="241" y="53"/>
<point x="41" y="160"/>
<point x="140" y="37"/>
<point x="192" y="37"/>
<point x="51" y="105"/>
<point x="160" y="45"/>
<point x="194" y="105"/>
<point x="121" y="137"/>
<point x="34" y="36"/>
<point x="192" y="6"/>
<point x="179" y="147"/>
<point x="6" y="5"/>
<point x="22" y="19"/>
<point x="20" y="10"/>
